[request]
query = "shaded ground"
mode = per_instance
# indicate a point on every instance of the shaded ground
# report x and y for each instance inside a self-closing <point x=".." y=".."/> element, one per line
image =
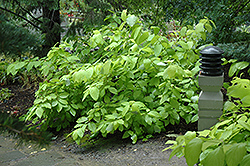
<point x="20" y="100"/>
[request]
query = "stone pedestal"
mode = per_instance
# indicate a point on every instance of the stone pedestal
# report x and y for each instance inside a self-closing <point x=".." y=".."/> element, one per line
<point x="210" y="101"/>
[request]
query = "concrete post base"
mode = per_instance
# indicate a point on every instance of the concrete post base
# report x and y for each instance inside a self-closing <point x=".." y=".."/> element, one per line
<point x="210" y="101"/>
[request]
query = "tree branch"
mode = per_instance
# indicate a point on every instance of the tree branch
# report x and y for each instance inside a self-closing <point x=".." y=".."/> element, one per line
<point x="21" y="17"/>
<point x="18" y="3"/>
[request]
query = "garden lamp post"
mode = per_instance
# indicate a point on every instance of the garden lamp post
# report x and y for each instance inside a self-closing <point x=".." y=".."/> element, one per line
<point x="210" y="101"/>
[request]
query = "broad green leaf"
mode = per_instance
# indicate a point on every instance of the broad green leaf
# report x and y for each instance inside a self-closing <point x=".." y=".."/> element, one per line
<point x="246" y="101"/>
<point x="245" y="161"/>
<point x="62" y="101"/>
<point x="59" y="107"/>
<point x="192" y="151"/>
<point x="120" y="121"/>
<point x="244" y="124"/>
<point x="148" y="99"/>
<point x="157" y="129"/>
<point x="98" y="38"/>
<point x="63" y="95"/>
<point x="124" y="15"/>
<point x="183" y="31"/>
<point x="176" y="150"/>
<point x="75" y="135"/>
<point x="125" y="110"/>
<point x="134" y="138"/>
<point x="203" y="35"/>
<point x="79" y="76"/>
<point x="89" y="72"/>
<point x="72" y="112"/>
<point x="174" y="114"/>
<point x="226" y="134"/>
<point x="19" y="65"/>
<point x="154" y="114"/>
<point x="189" y="136"/>
<point x="131" y="20"/>
<point x="110" y="127"/>
<point x="209" y="143"/>
<point x="229" y="106"/>
<point x="82" y="119"/>
<point x="195" y="118"/>
<point x="189" y="32"/>
<point x="215" y="158"/>
<point x="148" y="120"/>
<point x="135" y="107"/>
<point x="199" y="27"/>
<point x="137" y="93"/>
<point x="54" y="103"/>
<point x="92" y="126"/>
<point x="80" y="132"/>
<point x="236" y="67"/>
<point x="173" y="71"/>
<point x="126" y="134"/>
<point x="134" y="47"/>
<point x="94" y="93"/>
<point x="158" y="49"/>
<point x="208" y="27"/>
<point x="184" y="45"/>
<point x="11" y="69"/>
<point x="156" y="29"/>
<point x="174" y="103"/>
<point x="39" y="112"/>
<point x="190" y="45"/>
<point x="113" y="90"/>
<point x="235" y="154"/>
<point x="106" y="67"/>
<point x="135" y="33"/>
<point x="46" y="105"/>
<point x="143" y="38"/>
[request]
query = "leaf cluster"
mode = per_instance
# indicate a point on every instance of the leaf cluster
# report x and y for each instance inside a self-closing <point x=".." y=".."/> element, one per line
<point x="137" y="81"/>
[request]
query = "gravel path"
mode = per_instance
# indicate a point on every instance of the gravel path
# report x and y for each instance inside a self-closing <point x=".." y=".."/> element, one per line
<point x="116" y="152"/>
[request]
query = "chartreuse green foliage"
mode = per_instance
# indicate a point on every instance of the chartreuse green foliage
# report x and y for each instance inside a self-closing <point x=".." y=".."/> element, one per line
<point x="139" y="84"/>
<point x="226" y="143"/>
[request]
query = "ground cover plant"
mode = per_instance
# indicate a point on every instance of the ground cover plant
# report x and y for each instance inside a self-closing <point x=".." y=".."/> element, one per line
<point x="140" y="82"/>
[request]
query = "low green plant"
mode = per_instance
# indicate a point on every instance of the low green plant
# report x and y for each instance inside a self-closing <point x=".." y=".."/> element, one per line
<point x="227" y="142"/>
<point x="25" y="71"/>
<point x="4" y="79"/>
<point x="5" y="94"/>
<point x="139" y="83"/>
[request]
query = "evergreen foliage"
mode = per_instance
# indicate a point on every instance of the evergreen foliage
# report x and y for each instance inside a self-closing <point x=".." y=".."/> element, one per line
<point x="16" y="40"/>
<point x="40" y="16"/>
<point x="18" y="129"/>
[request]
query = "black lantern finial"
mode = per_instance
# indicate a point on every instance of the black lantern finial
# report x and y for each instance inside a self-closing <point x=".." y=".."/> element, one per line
<point x="211" y="61"/>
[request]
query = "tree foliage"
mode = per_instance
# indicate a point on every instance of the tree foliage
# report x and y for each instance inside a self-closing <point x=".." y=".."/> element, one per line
<point x="16" y="40"/>
<point x="40" y="16"/>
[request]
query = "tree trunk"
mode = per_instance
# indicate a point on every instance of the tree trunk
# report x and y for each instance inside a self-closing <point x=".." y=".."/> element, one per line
<point x="51" y="28"/>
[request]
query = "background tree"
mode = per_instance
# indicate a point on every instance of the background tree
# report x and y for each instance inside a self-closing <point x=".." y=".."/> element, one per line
<point x="41" y="16"/>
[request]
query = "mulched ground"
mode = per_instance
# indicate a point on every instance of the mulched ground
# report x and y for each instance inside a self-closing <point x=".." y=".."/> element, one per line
<point x="20" y="100"/>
